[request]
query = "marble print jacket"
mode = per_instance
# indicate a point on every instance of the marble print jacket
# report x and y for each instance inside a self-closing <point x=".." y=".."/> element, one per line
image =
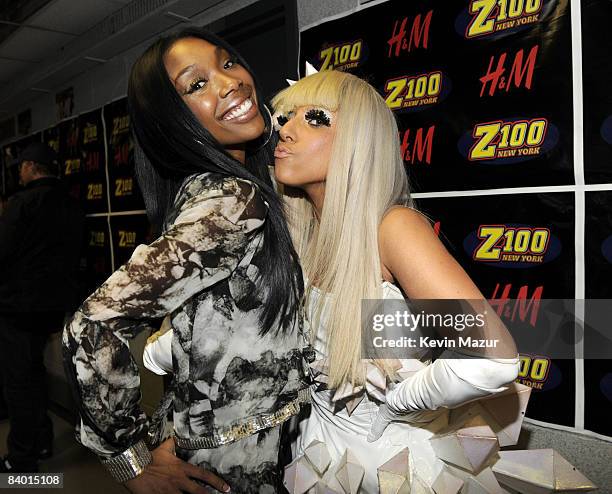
<point x="201" y="272"/>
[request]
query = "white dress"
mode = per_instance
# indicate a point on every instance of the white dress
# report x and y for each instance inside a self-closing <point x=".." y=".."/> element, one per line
<point x="341" y="431"/>
<point x="346" y="434"/>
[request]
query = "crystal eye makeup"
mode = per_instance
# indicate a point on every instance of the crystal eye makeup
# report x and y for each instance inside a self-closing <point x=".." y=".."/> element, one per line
<point x="318" y="117"/>
<point x="315" y="117"/>
<point x="279" y="119"/>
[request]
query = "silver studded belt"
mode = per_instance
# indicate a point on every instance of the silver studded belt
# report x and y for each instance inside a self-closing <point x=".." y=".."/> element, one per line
<point x="248" y="428"/>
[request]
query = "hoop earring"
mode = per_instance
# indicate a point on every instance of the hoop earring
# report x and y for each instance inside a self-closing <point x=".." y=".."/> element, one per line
<point x="270" y="133"/>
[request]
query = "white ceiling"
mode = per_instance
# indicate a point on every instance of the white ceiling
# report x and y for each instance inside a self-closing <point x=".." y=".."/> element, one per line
<point x="59" y="41"/>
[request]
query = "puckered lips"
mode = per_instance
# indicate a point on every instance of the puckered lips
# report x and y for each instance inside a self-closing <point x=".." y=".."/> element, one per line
<point x="281" y="152"/>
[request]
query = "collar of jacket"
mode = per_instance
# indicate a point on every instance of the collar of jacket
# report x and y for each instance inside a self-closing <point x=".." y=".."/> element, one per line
<point x="50" y="180"/>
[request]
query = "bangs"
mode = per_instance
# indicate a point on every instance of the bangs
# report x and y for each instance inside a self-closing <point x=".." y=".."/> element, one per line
<point x="320" y="89"/>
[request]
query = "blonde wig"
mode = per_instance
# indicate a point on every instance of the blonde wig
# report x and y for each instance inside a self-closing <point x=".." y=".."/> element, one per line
<point x="366" y="176"/>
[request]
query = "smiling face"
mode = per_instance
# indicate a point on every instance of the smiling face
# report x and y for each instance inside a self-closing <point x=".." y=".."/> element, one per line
<point x="218" y="90"/>
<point x="302" y="156"/>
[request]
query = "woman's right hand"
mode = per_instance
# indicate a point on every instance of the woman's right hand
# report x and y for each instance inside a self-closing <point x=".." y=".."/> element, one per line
<point x="168" y="474"/>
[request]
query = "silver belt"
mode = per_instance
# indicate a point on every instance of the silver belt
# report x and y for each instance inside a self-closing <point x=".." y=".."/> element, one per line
<point x="248" y="428"/>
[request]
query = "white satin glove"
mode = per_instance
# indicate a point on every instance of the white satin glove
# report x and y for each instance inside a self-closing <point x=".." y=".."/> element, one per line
<point x="157" y="356"/>
<point x="448" y="382"/>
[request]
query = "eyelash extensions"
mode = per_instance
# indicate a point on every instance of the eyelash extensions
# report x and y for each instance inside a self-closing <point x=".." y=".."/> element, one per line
<point x="316" y="117"/>
<point x="319" y="116"/>
<point x="279" y="119"/>
<point x="282" y="120"/>
<point x="192" y="86"/>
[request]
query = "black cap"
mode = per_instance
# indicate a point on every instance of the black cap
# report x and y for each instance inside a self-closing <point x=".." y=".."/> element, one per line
<point x="38" y="152"/>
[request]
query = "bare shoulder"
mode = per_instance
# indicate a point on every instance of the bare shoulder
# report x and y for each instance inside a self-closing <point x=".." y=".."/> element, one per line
<point x="406" y="236"/>
<point x="414" y="255"/>
<point x="404" y="221"/>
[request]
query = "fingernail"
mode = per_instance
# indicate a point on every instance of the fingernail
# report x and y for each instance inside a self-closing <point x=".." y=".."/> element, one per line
<point x="226" y="488"/>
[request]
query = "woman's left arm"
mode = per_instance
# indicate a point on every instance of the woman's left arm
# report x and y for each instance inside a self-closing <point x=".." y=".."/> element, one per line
<point x="417" y="259"/>
<point x="412" y="253"/>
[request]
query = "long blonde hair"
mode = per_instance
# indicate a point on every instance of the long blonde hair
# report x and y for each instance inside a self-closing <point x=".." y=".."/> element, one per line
<point x="366" y="176"/>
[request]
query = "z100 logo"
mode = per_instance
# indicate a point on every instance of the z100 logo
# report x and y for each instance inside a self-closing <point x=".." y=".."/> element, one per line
<point x="90" y="133"/>
<point x="123" y="187"/>
<point x="94" y="192"/>
<point x="533" y="370"/>
<point x="489" y="16"/>
<point x="120" y="125"/>
<point x="504" y="243"/>
<point x="96" y="239"/>
<point x="127" y="239"/>
<point x="342" y="56"/>
<point x="508" y="139"/>
<point x="411" y="91"/>
<point x="72" y="166"/>
<point x="512" y="246"/>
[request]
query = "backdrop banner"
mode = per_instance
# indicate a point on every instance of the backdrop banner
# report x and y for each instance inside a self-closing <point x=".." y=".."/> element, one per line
<point x="483" y="92"/>
<point x="483" y="99"/>
<point x="95" y="158"/>
<point x="124" y="192"/>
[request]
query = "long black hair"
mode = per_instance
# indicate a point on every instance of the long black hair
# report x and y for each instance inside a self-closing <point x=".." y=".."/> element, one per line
<point x="172" y="144"/>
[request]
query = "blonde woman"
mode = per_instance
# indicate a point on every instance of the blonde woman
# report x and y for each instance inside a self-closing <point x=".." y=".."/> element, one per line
<point x="350" y="216"/>
<point x="358" y="238"/>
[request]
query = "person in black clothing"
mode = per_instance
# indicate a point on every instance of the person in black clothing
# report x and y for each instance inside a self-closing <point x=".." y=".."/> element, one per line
<point x="40" y="239"/>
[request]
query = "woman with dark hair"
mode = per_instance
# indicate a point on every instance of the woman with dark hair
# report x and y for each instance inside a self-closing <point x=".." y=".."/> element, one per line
<point x="223" y="268"/>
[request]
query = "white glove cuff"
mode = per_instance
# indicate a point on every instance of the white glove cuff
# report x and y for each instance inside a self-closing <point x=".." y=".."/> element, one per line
<point x="157" y="355"/>
<point x="450" y="381"/>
